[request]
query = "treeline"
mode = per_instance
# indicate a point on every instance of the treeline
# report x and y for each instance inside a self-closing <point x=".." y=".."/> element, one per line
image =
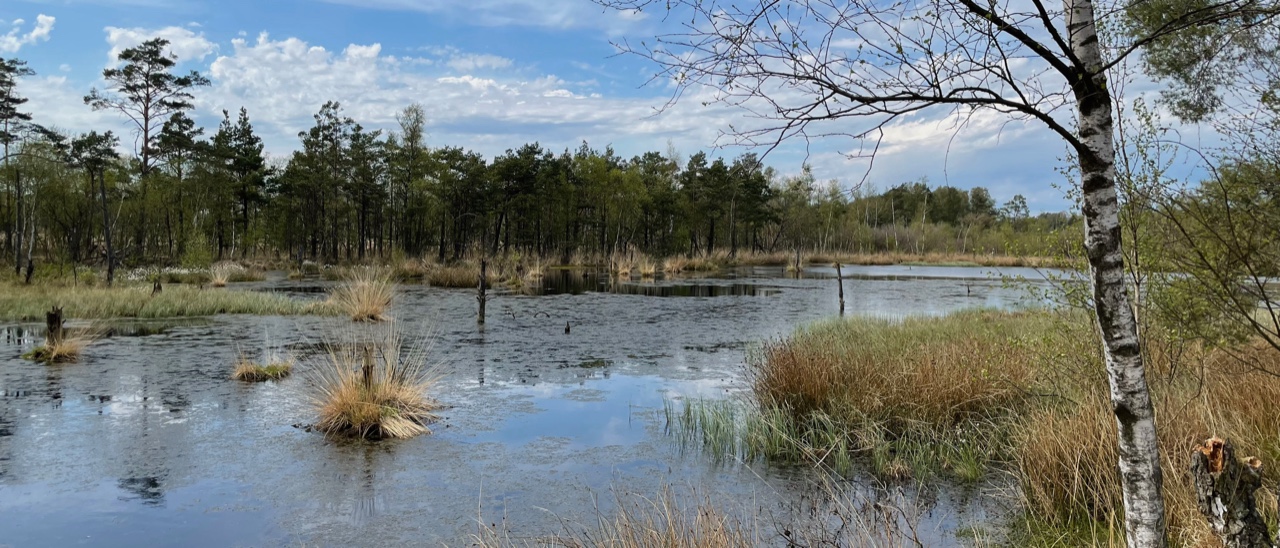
<point x="351" y="194"/>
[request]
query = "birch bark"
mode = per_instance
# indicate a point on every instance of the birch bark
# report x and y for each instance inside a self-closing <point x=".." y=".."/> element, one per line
<point x="1139" y="464"/>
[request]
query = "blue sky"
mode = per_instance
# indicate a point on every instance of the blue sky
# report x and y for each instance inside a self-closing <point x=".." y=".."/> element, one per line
<point x="491" y="74"/>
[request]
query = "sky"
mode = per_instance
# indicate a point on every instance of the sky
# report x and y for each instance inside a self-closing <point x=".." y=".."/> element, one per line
<point x="491" y="75"/>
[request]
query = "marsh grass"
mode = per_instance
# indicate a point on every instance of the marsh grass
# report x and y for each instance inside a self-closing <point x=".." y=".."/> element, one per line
<point x="1022" y="393"/>
<point x="648" y="268"/>
<point x="67" y="350"/>
<point x="23" y="303"/>
<point x="219" y="275"/>
<point x="461" y="275"/>
<point x="896" y="380"/>
<point x="660" y="521"/>
<point x="374" y="389"/>
<point x="674" y="265"/>
<point x="896" y="258"/>
<point x="248" y="371"/>
<point x="365" y="295"/>
<point x="1198" y="392"/>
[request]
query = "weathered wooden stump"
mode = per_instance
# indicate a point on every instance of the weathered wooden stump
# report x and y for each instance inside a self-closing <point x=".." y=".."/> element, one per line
<point x="1225" y="488"/>
<point x="53" y="327"/>
<point x="481" y="289"/>
<point x="840" y="284"/>
<point x="366" y="369"/>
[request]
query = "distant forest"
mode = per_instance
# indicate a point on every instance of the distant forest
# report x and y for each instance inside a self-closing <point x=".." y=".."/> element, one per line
<point x="350" y="194"/>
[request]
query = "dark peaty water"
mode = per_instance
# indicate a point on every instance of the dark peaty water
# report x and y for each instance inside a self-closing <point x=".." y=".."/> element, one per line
<point x="146" y="441"/>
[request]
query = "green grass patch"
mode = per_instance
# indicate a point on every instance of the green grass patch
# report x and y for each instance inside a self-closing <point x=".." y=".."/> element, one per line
<point x="252" y="372"/>
<point x="23" y="303"/>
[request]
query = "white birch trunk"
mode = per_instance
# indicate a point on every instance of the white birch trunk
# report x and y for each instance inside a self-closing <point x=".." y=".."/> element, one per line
<point x="1140" y="476"/>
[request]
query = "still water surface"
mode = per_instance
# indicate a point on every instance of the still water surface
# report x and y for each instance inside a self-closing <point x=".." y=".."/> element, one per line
<point x="147" y="442"/>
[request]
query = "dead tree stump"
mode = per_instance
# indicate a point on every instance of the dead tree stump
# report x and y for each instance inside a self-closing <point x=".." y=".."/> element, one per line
<point x="1225" y="488"/>
<point x="840" y="284"/>
<point x="366" y="369"/>
<point x="481" y="290"/>
<point x="53" y="327"/>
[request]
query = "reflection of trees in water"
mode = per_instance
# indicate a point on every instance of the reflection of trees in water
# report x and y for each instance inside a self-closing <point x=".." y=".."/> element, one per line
<point x="575" y="282"/>
<point x="354" y="488"/>
<point x="150" y="490"/>
<point x="6" y="452"/>
<point x="53" y="385"/>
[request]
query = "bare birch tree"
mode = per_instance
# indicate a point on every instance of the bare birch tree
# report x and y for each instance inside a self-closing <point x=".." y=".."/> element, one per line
<point x="808" y="69"/>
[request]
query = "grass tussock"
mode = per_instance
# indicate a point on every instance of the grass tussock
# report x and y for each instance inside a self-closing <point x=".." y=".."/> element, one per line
<point x="1021" y="393"/>
<point x="29" y="303"/>
<point x="68" y="349"/>
<point x="787" y="259"/>
<point x="643" y="522"/>
<point x="1198" y="393"/>
<point x="915" y="397"/>
<point x="365" y="296"/>
<point x="374" y="390"/>
<point x="248" y="371"/>
<point x="462" y="275"/>
<point x="674" y="265"/>
<point x="648" y="268"/>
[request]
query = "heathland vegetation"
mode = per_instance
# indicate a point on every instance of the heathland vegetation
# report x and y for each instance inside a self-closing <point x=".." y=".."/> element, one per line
<point x="978" y="395"/>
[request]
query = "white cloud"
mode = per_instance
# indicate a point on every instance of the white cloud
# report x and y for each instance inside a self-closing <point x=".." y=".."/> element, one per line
<point x="56" y="102"/>
<point x="13" y="41"/>
<point x="556" y="14"/>
<point x="186" y="44"/>
<point x="284" y="82"/>
<point x="470" y="62"/>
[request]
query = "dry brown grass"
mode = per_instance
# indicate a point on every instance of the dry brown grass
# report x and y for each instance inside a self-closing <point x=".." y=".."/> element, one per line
<point x="621" y="266"/>
<point x="462" y="275"/>
<point x="648" y="268"/>
<point x="365" y="295"/>
<point x="226" y="272"/>
<point x="219" y="275"/>
<point x="374" y="390"/>
<point x="787" y="259"/>
<point x="1065" y="454"/>
<point x="1034" y="385"/>
<point x="674" y="265"/>
<point x="535" y="271"/>
<point x="67" y="350"/>
<point x="920" y="370"/>
<point x="248" y="371"/>
<point x="413" y="269"/>
<point x="643" y="522"/>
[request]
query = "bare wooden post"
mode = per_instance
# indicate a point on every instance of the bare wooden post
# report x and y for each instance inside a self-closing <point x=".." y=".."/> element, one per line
<point x="840" y="284"/>
<point x="366" y="369"/>
<point x="481" y="298"/>
<point x="53" y="327"/>
<point x="1224" y="490"/>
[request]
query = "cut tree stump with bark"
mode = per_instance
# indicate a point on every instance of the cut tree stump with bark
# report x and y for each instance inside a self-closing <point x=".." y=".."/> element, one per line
<point x="1225" y="488"/>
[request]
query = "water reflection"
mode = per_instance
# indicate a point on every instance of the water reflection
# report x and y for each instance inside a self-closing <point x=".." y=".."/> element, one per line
<point x="149" y="430"/>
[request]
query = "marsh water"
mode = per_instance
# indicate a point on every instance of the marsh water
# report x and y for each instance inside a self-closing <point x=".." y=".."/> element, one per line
<point x="146" y="441"/>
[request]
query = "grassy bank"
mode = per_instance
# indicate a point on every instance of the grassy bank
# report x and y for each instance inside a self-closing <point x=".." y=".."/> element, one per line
<point x="1022" y="394"/>
<point x="29" y="303"/>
